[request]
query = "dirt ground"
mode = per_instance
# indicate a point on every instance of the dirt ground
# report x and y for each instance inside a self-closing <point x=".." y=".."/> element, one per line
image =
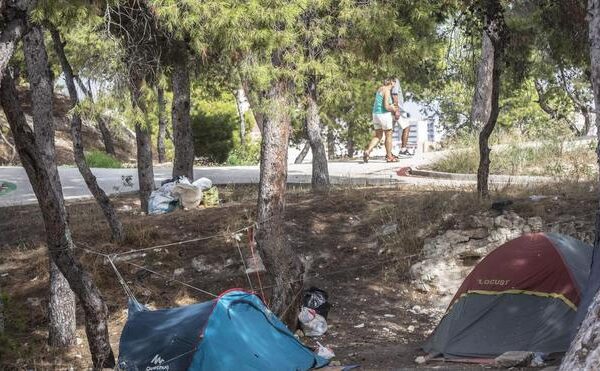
<point x="378" y="319"/>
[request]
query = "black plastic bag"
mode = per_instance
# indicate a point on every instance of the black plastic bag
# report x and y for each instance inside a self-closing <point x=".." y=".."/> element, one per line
<point x="317" y="299"/>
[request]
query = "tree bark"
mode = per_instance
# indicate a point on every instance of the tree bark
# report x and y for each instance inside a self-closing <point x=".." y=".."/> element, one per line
<point x="584" y="353"/>
<point x="330" y="144"/>
<point x="90" y="180"/>
<point x="312" y="125"/>
<point x="482" y="99"/>
<point x="61" y="307"/>
<point x="183" y="164"/>
<point x="162" y="125"/>
<point x="302" y="155"/>
<point x="239" y="94"/>
<point x="143" y="144"/>
<point x="46" y="185"/>
<point x="281" y="262"/>
<point x="496" y="31"/>
<point x="350" y="144"/>
<point x="14" y="16"/>
<point x="107" y="139"/>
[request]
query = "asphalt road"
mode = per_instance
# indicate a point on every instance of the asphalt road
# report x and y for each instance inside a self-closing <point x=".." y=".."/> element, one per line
<point x="377" y="171"/>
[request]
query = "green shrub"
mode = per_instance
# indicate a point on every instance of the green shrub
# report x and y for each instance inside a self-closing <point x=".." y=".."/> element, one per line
<point x="248" y="155"/>
<point x="102" y="159"/>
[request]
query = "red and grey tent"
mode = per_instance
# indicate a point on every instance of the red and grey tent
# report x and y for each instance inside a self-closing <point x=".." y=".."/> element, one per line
<point x="523" y="296"/>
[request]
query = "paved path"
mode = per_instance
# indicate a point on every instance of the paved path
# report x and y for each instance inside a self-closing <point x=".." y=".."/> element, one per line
<point x="377" y="171"/>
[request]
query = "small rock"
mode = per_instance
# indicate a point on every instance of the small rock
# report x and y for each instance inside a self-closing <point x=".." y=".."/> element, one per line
<point x="420" y="360"/>
<point x="78" y="341"/>
<point x="178" y="271"/>
<point x="360" y="325"/>
<point x="388" y="229"/>
<point x="410" y="328"/>
<point x="34" y="302"/>
<point x="389" y="315"/>
<point x="514" y="359"/>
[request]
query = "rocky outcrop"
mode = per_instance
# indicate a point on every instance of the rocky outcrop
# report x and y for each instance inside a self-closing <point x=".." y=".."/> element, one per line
<point x="449" y="256"/>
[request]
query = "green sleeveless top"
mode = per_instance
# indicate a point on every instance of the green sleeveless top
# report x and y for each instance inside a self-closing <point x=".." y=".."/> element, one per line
<point x="378" y="106"/>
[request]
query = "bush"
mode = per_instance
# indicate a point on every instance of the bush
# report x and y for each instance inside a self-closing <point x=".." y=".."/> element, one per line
<point x="249" y="155"/>
<point x="102" y="160"/>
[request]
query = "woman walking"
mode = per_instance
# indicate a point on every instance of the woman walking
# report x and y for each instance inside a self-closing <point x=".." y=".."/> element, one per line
<point x="383" y="121"/>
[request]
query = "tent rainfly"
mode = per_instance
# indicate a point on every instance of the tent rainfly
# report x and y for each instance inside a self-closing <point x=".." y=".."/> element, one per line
<point x="233" y="332"/>
<point x="523" y="296"/>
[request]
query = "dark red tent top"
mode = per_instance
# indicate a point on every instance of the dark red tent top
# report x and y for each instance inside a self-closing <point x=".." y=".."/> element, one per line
<point x="531" y="265"/>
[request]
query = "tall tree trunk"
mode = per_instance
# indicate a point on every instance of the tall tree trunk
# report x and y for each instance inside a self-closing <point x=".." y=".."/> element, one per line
<point x="183" y="139"/>
<point x="584" y="353"/>
<point x="61" y="308"/>
<point x="350" y="144"/>
<point x="46" y="185"/>
<point x="312" y="125"/>
<point x="281" y="262"/>
<point x="162" y="125"/>
<point x="303" y="152"/>
<point x="90" y="180"/>
<point x="482" y="99"/>
<point x="496" y="31"/>
<point x="239" y="95"/>
<point x="330" y="144"/>
<point x="143" y="143"/>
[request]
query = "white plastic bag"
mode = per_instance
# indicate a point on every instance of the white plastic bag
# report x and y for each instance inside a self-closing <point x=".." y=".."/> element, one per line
<point x="189" y="195"/>
<point x="203" y="183"/>
<point x="313" y="324"/>
<point x="324" y="351"/>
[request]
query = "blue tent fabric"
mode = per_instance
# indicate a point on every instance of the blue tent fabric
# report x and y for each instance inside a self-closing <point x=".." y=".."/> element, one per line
<point x="234" y="332"/>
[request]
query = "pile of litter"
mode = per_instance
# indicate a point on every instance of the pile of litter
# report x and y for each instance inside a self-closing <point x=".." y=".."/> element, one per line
<point x="180" y="192"/>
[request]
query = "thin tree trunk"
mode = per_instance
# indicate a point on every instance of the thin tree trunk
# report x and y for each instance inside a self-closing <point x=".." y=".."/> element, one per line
<point x="183" y="164"/>
<point x="312" y="125"/>
<point x="144" y="144"/>
<point x="14" y="16"/>
<point x="482" y="99"/>
<point x="162" y="125"/>
<point x="61" y="307"/>
<point x="350" y="144"/>
<point x="90" y="180"/>
<point x="107" y="139"/>
<point x="584" y="353"/>
<point x="239" y="94"/>
<point x="302" y="155"/>
<point x="10" y="36"/>
<point x="330" y="144"/>
<point x="46" y="185"/>
<point x="280" y="261"/>
<point x="495" y="29"/>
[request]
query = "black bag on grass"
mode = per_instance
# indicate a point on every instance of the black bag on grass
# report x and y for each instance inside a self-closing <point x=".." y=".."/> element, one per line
<point x="316" y="299"/>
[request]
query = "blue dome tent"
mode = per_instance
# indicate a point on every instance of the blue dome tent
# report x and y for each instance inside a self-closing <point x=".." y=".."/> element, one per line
<point x="236" y="331"/>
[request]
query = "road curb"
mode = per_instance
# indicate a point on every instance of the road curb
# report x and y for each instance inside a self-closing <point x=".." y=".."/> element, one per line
<point x="520" y="179"/>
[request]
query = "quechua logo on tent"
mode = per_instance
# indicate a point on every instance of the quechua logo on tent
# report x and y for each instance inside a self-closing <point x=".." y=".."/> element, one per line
<point x="157" y="361"/>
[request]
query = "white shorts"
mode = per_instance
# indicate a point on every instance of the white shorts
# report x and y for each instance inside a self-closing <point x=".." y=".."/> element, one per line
<point x="383" y="121"/>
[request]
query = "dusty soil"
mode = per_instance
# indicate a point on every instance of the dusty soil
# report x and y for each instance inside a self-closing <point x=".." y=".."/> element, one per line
<point x="378" y="319"/>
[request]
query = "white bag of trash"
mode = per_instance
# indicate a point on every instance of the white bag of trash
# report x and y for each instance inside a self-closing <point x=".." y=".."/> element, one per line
<point x="189" y="195"/>
<point x="203" y="183"/>
<point x="313" y="324"/>
<point x="162" y="200"/>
